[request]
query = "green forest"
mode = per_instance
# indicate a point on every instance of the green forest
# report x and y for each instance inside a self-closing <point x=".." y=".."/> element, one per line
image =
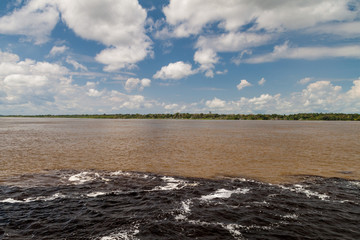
<point x="213" y="116"/>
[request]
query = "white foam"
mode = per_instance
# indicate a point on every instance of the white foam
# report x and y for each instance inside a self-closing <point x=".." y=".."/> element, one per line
<point x="234" y="229"/>
<point x="33" y="199"/>
<point x="300" y="189"/>
<point x="11" y="200"/>
<point x="257" y="227"/>
<point x="128" y="174"/>
<point x="224" y="193"/>
<point x="127" y="234"/>
<point x="355" y="183"/>
<point x="185" y="210"/>
<point x="291" y="216"/>
<point x="173" y="184"/>
<point x="83" y="177"/>
<point x="120" y="173"/>
<point x="95" y="194"/>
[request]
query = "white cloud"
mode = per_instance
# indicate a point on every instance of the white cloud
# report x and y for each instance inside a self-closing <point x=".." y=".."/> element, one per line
<point x="94" y="93"/>
<point x="119" y="24"/>
<point x="31" y="87"/>
<point x="232" y="42"/>
<point x="354" y="92"/>
<point x="123" y="56"/>
<point x="175" y="71"/>
<point x="305" y="80"/>
<point x="215" y="103"/>
<point x="206" y="58"/>
<point x="188" y="17"/>
<point x="250" y="23"/>
<point x="35" y="20"/>
<point x="320" y="96"/>
<point x="25" y="81"/>
<point x="208" y="46"/>
<point x="137" y="84"/>
<point x="58" y="50"/>
<point x="343" y="29"/>
<point x="222" y="72"/>
<point x="262" y="81"/>
<point x="28" y="81"/>
<point x="308" y="53"/>
<point x="171" y="106"/>
<point x="8" y="57"/>
<point x="126" y="101"/>
<point x="75" y="64"/>
<point x="243" y="83"/>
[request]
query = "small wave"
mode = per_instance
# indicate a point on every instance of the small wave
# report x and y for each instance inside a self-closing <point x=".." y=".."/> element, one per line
<point x="95" y="194"/>
<point x="300" y="189"/>
<point x="129" y="174"/>
<point x="224" y="193"/>
<point x="33" y="199"/>
<point x="355" y="183"/>
<point x="233" y="229"/>
<point x="173" y="184"/>
<point x="185" y="210"/>
<point x="290" y="216"/>
<point x="126" y="234"/>
<point x="83" y="177"/>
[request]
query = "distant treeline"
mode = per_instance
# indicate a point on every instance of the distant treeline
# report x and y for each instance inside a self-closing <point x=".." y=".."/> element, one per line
<point x="215" y="116"/>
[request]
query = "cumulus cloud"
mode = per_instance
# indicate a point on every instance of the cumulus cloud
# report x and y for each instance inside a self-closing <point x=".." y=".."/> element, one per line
<point x="94" y="92"/>
<point x="261" y="82"/>
<point x="32" y="87"/>
<point x="206" y="58"/>
<point x="191" y="16"/>
<point x="171" y="106"/>
<point x="320" y="96"/>
<point x="35" y="20"/>
<point x="55" y="50"/>
<point x="175" y="71"/>
<point x="119" y="57"/>
<point x="305" y="80"/>
<point x="118" y="24"/>
<point x="215" y="103"/>
<point x="24" y="81"/>
<point x="309" y="53"/>
<point x="243" y="83"/>
<point x="6" y="57"/>
<point x="245" y="24"/>
<point x="137" y="84"/>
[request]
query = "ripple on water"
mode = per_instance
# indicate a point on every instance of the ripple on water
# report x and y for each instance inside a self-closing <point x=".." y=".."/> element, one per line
<point x="129" y="205"/>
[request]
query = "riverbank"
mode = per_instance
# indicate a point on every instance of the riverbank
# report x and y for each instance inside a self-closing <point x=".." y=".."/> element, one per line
<point x="211" y="116"/>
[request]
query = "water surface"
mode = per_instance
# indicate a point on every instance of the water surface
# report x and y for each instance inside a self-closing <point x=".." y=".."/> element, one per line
<point x="271" y="151"/>
<point x="173" y="179"/>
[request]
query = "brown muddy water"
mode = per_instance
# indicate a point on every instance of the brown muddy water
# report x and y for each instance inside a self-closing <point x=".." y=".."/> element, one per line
<point x="270" y="151"/>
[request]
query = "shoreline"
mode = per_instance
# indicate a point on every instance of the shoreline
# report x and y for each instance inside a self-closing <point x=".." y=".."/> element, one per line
<point x="208" y="116"/>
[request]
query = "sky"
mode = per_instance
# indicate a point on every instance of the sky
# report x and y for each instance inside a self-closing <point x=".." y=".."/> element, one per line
<point x="167" y="56"/>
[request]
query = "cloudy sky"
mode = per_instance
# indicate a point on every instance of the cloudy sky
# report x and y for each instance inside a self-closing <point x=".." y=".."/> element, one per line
<point x="159" y="56"/>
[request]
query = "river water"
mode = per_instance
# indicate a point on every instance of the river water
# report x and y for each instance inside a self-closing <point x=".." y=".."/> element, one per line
<point x="178" y="179"/>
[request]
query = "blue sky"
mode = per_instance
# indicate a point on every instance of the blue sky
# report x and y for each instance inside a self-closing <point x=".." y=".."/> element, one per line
<point x="160" y="56"/>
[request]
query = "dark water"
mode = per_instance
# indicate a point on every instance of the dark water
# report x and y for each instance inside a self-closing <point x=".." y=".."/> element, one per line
<point x="129" y="205"/>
